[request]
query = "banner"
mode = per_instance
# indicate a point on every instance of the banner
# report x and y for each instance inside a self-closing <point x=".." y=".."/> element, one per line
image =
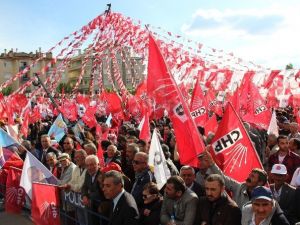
<point x="45" y="204"/>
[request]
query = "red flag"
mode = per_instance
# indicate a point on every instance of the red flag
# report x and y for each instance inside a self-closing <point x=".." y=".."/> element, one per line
<point x="25" y="122"/>
<point x="211" y="126"/>
<point x="161" y="86"/>
<point x="232" y="148"/>
<point x="145" y="130"/>
<point x="268" y="83"/>
<point x="35" y="115"/>
<point x="199" y="106"/>
<point x="69" y="110"/>
<point x="84" y="100"/>
<point x="15" y="195"/>
<point x="258" y="112"/>
<point x="45" y="204"/>
<point x="89" y="117"/>
<point x="112" y="102"/>
<point x="18" y="102"/>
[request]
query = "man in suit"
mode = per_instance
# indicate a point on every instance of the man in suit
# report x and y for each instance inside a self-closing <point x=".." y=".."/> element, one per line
<point x="187" y="173"/>
<point x="46" y="148"/>
<point x="92" y="194"/>
<point x="123" y="209"/>
<point x="283" y="192"/>
<point x="180" y="203"/>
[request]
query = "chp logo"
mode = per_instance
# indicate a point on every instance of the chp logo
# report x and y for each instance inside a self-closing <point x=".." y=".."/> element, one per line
<point x="48" y="211"/>
<point x="260" y="109"/>
<point x="179" y="112"/>
<point x="227" y="141"/>
<point x="198" y="112"/>
<point x="15" y="195"/>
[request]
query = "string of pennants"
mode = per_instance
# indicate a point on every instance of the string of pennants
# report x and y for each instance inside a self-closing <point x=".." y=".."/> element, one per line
<point x="112" y="38"/>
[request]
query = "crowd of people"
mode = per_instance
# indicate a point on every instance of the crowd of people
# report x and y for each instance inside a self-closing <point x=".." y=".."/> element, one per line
<point x="123" y="187"/>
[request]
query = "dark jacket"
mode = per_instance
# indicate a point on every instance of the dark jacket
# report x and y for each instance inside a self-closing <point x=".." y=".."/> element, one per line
<point x="92" y="190"/>
<point x="125" y="212"/>
<point x="137" y="189"/>
<point x="287" y="202"/>
<point x="223" y="211"/>
<point x="198" y="189"/>
<point x="154" y="217"/>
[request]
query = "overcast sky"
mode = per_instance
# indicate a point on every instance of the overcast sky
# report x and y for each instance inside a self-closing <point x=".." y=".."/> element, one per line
<point x="263" y="31"/>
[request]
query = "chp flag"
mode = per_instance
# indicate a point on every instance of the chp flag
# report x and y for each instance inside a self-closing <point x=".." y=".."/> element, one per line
<point x="45" y="204"/>
<point x="15" y="195"/>
<point x="232" y="148"/>
<point x="161" y="86"/>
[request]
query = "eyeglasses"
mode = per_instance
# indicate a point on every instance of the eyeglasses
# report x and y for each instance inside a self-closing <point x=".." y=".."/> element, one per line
<point x="67" y="143"/>
<point x="147" y="196"/>
<point x="137" y="162"/>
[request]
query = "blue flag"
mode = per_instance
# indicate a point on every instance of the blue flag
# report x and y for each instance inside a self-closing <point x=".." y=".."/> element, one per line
<point x="58" y="129"/>
<point x="8" y="147"/>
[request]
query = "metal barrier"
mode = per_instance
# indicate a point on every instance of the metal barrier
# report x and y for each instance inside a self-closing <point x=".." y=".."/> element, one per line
<point x="72" y="212"/>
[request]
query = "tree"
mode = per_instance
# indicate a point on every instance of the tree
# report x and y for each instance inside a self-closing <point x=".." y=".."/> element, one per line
<point x="289" y="66"/>
<point x="64" y="86"/>
<point x="7" y="91"/>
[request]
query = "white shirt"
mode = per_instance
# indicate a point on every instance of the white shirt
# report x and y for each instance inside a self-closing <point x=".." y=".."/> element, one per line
<point x="280" y="158"/>
<point x="117" y="198"/>
<point x="253" y="220"/>
<point x="277" y="193"/>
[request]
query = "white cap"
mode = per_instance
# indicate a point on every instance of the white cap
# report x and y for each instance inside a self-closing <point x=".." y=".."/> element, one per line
<point x="279" y="169"/>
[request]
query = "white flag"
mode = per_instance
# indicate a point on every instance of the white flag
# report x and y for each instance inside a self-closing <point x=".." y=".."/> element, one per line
<point x="108" y="120"/>
<point x="158" y="162"/>
<point x="141" y="124"/>
<point x="273" y="127"/>
<point x="35" y="171"/>
<point x="13" y="131"/>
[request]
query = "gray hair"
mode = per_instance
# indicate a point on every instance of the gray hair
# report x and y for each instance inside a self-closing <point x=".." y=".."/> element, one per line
<point x="114" y="147"/>
<point x="187" y="168"/>
<point x="117" y="177"/>
<point x="93" y="158"/>
<point x="144" y="155"/>
<point x="134" y="147"/>
<point x="91" y="146"/>
<point x="81" y="151"/>
<point x="51" y="154"/>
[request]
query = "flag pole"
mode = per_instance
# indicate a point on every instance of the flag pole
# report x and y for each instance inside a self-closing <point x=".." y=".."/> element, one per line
<point x="50" y="96"/>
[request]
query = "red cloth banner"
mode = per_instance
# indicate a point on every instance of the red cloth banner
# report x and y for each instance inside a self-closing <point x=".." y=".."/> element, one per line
<point x="45" y="204"/>
<point x="15" y="195"/>
<point x="232" y="148"/>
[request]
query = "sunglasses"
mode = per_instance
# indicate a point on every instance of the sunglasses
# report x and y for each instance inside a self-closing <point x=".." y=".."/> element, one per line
<point x="137" y="162"/>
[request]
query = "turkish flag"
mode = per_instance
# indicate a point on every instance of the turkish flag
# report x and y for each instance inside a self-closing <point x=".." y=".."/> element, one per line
<point x="45" y="204"/>
<point x="15" y="195"/>
<point x="162" y="87"/>
<point x="199" y="106"/>
<point x="232" y="148"/>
